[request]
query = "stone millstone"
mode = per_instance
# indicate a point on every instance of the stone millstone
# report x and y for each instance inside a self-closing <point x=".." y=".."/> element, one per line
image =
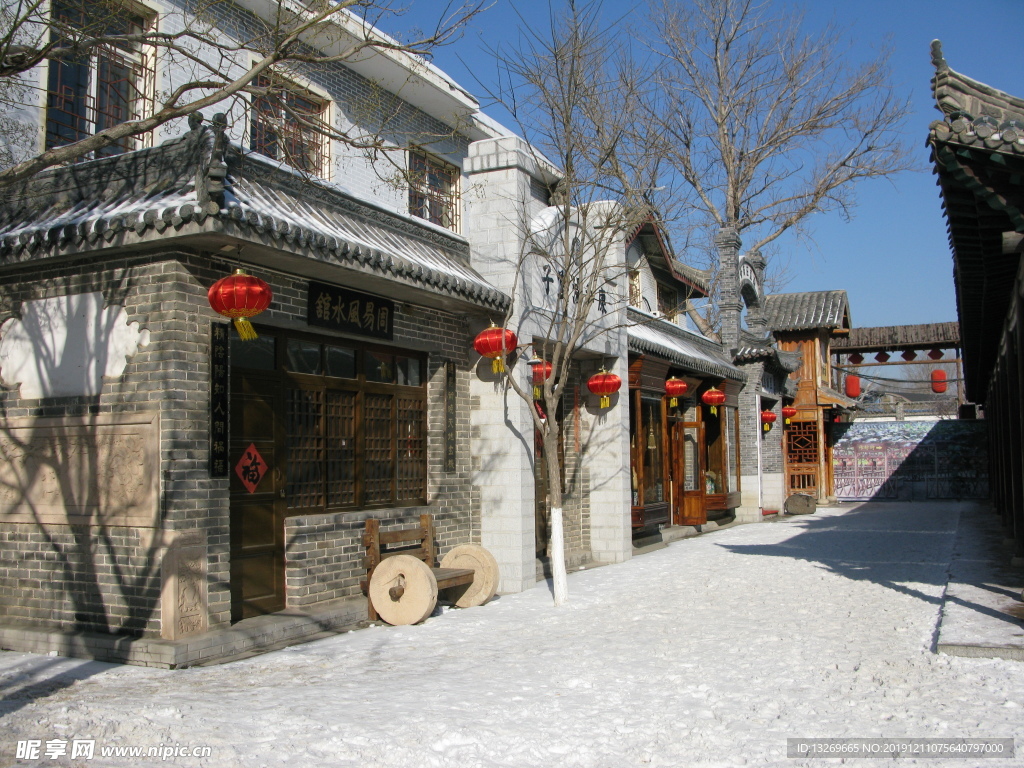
<point x="403" y="590"/>
<point x="485" y="573"/>
<point x="801" y="504"/>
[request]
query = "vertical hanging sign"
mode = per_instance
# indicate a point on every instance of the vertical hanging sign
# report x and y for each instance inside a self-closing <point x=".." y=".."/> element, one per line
<point x="219" y="399"/>
<point x="450" y="416"/>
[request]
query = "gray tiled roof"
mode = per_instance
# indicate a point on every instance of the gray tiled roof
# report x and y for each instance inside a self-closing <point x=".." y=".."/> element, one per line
<point x="648" y="335"/>
<point x="197" y="185"/>
<point x="805" y="311"/>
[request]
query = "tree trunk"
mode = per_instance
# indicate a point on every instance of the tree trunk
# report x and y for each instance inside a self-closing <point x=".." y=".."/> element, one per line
<point x="558" y="576"/>
<point x="557" y="547"/>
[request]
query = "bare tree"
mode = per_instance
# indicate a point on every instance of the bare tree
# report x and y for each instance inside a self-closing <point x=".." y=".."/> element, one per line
<point x="211" y="66"/>
<point x="576" y="94"/>
<point x="765" y="124"/>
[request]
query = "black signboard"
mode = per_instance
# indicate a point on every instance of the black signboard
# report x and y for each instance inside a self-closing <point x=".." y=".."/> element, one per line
<point x="343" y="310"/>
<point x="450" y="416"/>
<point x="219" y="346"/>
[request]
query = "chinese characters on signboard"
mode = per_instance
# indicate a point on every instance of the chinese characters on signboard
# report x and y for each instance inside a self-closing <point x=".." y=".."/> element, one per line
<point x="219" y="399"/>
<point x="342" y="310"/>
<point x="450" y="416"/>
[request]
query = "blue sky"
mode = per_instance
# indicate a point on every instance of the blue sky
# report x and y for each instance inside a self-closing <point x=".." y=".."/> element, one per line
<point x="893" y="258"/>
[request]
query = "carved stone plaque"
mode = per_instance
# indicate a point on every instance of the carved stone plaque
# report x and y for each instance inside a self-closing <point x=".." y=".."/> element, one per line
<point x="83" y="470"/>
<point x="184" y="592"/>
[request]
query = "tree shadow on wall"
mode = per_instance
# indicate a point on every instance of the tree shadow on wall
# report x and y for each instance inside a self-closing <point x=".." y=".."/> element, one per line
<point x="79" y="489"/>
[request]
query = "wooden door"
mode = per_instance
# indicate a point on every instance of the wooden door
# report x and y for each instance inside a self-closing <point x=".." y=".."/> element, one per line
<point x="688" y="469"/>
<point x="803" y="457"/>
<point x="258" y="499"/>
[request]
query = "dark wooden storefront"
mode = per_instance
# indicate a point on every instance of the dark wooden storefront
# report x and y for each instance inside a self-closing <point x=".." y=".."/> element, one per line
<point x="318" y="425"/>
<point x="685" y="462"/>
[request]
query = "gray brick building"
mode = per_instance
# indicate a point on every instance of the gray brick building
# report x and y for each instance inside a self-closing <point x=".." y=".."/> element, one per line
<point x="163" y="482"/>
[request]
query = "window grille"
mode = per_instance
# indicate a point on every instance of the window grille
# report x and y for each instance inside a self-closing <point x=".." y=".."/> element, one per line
<point x="355" y="422"/>
<point x="108" y="84"/>
<point x="290" y="124"/>
<point x="434" y="190"/>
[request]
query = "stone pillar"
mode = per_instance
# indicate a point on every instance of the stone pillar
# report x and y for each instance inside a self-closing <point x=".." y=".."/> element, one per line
<point x="730" y="303"/>
<point x="752" y="454"/>
<point x="611" y="532"/>
<point x="496" y="207"/>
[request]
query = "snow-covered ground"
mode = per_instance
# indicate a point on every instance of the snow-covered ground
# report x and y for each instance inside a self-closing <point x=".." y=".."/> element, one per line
<point x="711" y="652"/>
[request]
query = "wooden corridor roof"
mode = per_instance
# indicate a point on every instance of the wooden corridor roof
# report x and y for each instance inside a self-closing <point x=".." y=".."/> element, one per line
<point x="896" y="338"/>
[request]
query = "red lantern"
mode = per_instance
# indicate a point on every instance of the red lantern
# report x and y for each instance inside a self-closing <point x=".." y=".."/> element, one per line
<point x="494" y="343"/>
<point x="240" y="296"/>
<point x="767" y="419"/>
<point x="788" y="412"/>
<point x="938" y="382"/>
<point x="713" y="397"/>
<point x="541" y="373"/>
<point x="675" y="388"/>
<point x="853" y="386"/>
<point x="604" y="385"/>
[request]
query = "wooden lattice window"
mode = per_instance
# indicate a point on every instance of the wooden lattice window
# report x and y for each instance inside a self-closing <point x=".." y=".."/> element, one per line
<point x="668" y="301"/>
<point x="434" y="190"/>
<point x="289" y="124"/>
<point x="305" y="487"/>
<point x="802" y="442"/>
<point x="355" y="423"/>
<point x="341" y="459"/>
<point x="107" y="84"/>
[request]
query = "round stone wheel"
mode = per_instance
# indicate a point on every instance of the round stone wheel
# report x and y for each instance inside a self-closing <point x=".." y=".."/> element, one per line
<point x="485" y="573"/>
<point x="403" y="590"/>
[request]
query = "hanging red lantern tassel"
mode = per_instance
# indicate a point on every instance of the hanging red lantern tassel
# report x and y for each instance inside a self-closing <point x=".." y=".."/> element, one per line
<point x="714" y="397"/>
<point x="938" y="382"/>
<point x="767" y="419"/>
<point x="495" y="343"/>
<point x="788" y="412"/>
<point x="240" y="296"/>
<point x="604" y="385"/>
<point x="675" y="388"/>
<point x="853" y="386"/>
<point x="540" y="374"/>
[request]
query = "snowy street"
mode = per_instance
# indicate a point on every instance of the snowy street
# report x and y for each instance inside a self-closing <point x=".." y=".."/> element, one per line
<point x="709" y="652"/>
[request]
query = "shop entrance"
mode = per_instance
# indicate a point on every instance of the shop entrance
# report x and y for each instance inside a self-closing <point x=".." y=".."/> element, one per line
<point x="803" y="458"/>
<point x="688" y="473"/>
<point x="257" y="496"/>
<point x="318" y="426"/>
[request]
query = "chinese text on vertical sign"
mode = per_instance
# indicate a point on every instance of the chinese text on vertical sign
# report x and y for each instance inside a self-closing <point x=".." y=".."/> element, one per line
<point x="219" y="399"/>
<point x="450" y="416"/>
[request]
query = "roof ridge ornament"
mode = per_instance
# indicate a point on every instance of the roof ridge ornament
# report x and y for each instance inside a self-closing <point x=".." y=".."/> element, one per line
<point x="212" y="172"/>
<point x="938" y="60"/>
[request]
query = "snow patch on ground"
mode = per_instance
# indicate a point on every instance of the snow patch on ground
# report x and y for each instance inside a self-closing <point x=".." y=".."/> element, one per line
<point x="710" y="652"/>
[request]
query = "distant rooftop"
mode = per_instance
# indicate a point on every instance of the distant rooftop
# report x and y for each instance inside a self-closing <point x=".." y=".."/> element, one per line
<point x="807" y="310"/>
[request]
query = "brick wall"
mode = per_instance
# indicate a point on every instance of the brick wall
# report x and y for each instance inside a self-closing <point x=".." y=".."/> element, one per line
<point x="101" y="578"/>
<point x="109" y="578"/>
